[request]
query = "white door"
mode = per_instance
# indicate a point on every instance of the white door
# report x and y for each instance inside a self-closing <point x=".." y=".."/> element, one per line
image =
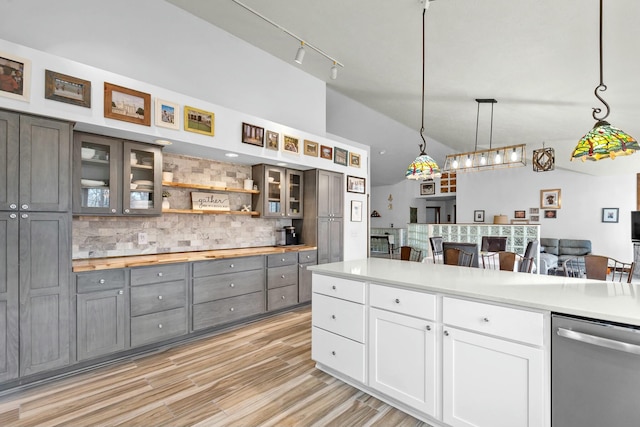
<point x="402" y="359"/>
<point x="489" y="382"/>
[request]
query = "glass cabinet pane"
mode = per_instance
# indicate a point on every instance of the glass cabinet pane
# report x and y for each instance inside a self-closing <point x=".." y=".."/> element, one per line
<point x="141" y="185"/>
<point x="95" y="174"/>
<point x="294" y="201"/>
<point x="275" y="182"/>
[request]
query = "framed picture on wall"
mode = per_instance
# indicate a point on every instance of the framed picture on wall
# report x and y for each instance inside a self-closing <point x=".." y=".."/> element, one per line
<point x="355" y="184"/>
<point x="273" y="140"/>
<point x="326" y="152"/>
<point x="520" y="214"/>
<point x="340" y="156"/>
<point x="199" y="121"/>
<point x="252" y="134"/>
<point x="356" y="211"/>
<point x="478" y="216"/>
<point x="551" y="214"/>
<point x="128" y="105"/>
<point x="167" y="114"/>
<point x="609" y="214"/>
<point x="291" y="145"/>
<point x="15" y="77"/>
<point x="67" y="89"/>
<point x="354" y="160"/>
<point x="550" y="199"/>
<point x="310" y="148"/>
<point x="427" y="188"/>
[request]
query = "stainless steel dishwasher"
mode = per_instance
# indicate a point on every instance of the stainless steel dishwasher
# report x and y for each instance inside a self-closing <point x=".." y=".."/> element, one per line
<point x="595" y="373"/>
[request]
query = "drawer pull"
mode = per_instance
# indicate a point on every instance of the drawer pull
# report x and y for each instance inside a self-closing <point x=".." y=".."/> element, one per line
<point x="397" y="300"/>
<point x="160" y="326"/>
<point x="120" y="292"/>
<point x="282" y="276"/>
<point x="333" y="316"/>
<point x="13" y="206"/>
<point x="333" y="353"/>
<point x="160" y="274"/>
<point x="333" y="287"/>
<point x="101" y="281"/>
<point x="283" y="297"/>
<point x="25" y="206"/>
<point x="24" y="216"/>
<point x="308" y="257"/>
<point x="232" y="309"/>
<point x="113" y="211"/>
<point x="231" y="266"/>
<point x="283" y="259"/>
<point x="446" y="333"/>
<point x="13" y="216"/>
<point x="159" y="296"/>
<point x="485" y="319"/>
<point x="232" y="285"/>
<point x="428" y="327"/>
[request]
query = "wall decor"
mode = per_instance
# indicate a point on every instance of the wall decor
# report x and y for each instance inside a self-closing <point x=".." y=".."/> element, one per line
<point x="550" y="199"/>
<point x="355" y="184"/>
<point x="209" y="201"/>
<point x="273" y="140"/>
<point x="340" y="156"/>
<point x="128" y="105"/>
<point x="354" y="160"/>
<point x="291" y="145"/>
<point x="534" y="211"/>
<point x="535" y="218"/>
<point x="551" y="214"/>
<point x="70" y="90"/>
<point x="167" y="114"/>
<point x="326" y="152"/>
<point x="252" y="134"/>
<point x="610" y="214"/>
<point x="520" y="214"/>
<point x="478" y="216"/>
<point x="356" y="211"/>
<point x="520" y="221"/>
<point x="310" y="148"/>
<point x="15" y="77"/>
<point x="199" y="121"/>
<point x="427" y="188"/>
<point x="543" y="159"/>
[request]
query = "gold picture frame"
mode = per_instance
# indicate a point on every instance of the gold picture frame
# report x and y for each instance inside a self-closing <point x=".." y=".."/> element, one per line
<point x="127" y="105"/>
<point x="272" y="140"/>
<point x="354" y="159"/>
<point x="291" y="145"/>
<point x="310" y="148"/>
<point x="68" y="89"/>
<point x="550" y="199"/>
<point x="199" y="121"/>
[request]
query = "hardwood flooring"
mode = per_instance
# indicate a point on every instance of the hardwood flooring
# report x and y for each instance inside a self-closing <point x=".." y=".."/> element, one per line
<point x="256" y="375"/>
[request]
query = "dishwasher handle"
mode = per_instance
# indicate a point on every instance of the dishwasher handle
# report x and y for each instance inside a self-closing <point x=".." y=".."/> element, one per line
<point x="599" y="341"/>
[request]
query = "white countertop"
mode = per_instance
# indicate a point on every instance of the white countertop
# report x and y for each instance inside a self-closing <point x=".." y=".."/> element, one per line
<point x="617" y="302"/>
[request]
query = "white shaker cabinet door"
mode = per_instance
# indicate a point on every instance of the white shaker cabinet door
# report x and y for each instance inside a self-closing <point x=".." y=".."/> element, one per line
<point x="402" y="359"/>
<point x="490" y="382"/>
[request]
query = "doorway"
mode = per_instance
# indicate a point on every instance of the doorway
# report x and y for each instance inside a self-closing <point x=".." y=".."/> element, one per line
<point x="433" y="215"/>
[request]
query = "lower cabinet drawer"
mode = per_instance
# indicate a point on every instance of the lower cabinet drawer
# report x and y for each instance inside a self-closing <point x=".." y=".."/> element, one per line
<point x="282" y="276"/>
<point x="101" y="280"/>
<point x="403" y="301"/>
<point x="227" y="310"/>
<point x="228" y="285"/>
<point x="338" y="353"/>
<point x="158" y="326"/>
<point x="162" y="296"/>
<point x="351" y="290"/>
<point x="341" y="317"/>
<point x="282" y="297"/>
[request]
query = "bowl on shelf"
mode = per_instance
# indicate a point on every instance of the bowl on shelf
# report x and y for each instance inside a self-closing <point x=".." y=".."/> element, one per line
<point x="143" y="182"/>
<point x="271" y="179"/>
<point x="92" y="183"/>
<point x="133" y="186"/>
<point x="87" y="153"/>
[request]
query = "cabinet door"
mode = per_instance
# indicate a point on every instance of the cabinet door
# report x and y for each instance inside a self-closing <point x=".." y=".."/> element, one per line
<point x="294" y="194"/>
<point x="304" y="282"/>
<point x="9" y="154"/>
<point x="97" y="162"/>
<point x="8" y="296"/>
<point x="329" y="240"/>
<point x="274" y="192"/>
<point x="336" y="194"/>
<point x="100" y="323"/>
<point x="491" y="382"/>
<point x="324" y="193"/>
<point x="45" y="165"/>
<point x="142" y="167"/>
<point x="45" y="265"/>
<point x="402" y="359"/>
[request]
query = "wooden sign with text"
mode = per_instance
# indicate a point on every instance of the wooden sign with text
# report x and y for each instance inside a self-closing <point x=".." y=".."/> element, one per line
<point x="209" y="201"/>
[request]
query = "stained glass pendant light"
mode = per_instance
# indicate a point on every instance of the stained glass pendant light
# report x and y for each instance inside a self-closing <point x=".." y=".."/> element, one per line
<point x="423" y="167"/>
<point x="603" y="141"/>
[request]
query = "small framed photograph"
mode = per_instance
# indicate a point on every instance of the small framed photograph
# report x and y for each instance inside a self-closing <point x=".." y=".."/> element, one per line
<point x="199" y="121"/>
<point x="67" y="89"/>
<point x="609" y="214"/>
<point x="534" y="211"/>
<point x="310" y="148"/>
<point x="273" y="140"/>
<point x="478" y="216"/>
<point x="535" y="218"/>
<point x="326" y="152"/>
<point x="550" y="199"/>
<point x="427" y="188"/>
<point x="520" y="214"/>
<point x="128" y="105"/>
<point x="340" y="156"/>
<point x="291" y="145"/>
<point x="15" y="77"/>
<point x="551" y="214"/>
<point x="167" y="114"/>
<point x="252" y="134"/>
<point x="356" y="211"/>
<point x="355" y="184"/>
<point x="354" y="160"/>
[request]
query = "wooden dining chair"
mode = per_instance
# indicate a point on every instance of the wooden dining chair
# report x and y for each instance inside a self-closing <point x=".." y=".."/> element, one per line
<point x="493" y="244"/>
<point x="507" y="260"/>
<point x="436" y="248"/>
<point x="574" y="267"/>
<point x="490" y="261"/>
<point x="454" y="256"/>
<point x="407" y="253"/>
<point x="600" y="267"/>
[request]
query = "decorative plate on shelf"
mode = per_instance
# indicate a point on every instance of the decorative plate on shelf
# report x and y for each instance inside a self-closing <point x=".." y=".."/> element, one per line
<point x="92" y="183"/>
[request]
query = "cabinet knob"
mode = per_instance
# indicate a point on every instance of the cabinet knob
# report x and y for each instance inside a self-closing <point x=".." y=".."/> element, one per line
<point x="126" y="211"/>
<point x="160" y="326"/>
<point x="232" y="309"/>
<point x="333" y="287"/>
<point x="397" y="301"/>
<point x="308" y="256"/>
<point x="333" y="353"/>
<point x="333" y="316"/>
<point x="24" y="216"/>
<point x="102" y="281"/>
<point x="13" y="206"/>
<point x="113" y="211"/>
<point x="428" y="327"/>
<point x="282" y="275"/>
<point x="232" y="285"/>
<point x="446" y="333"/>
<point x="159" y="296"/>
<point x="283" y="297"/>
<point x="160" y="274"/>
<point x="485" y="319"/>
<point x="13" y="216"/>
<point x="25" y="206"/>
<point x="120" y="292"/>
<point x="283" y="259"/>
<point x="301" y="266"/>
<point x="231" y="266"/>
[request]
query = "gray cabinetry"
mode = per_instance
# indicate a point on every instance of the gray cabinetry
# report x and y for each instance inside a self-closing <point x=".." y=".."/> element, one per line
<point x="158" y="303"/>
<point x="227" y="290"/>
<point x="116" y="177"/>
<point x="8" y="296"/>
<point x="281" y="191"/>
<point x="100" y="313"/>
<point x="305" y="259"/>
<point x="282" y="280"/>
<point x="322" y="225"/>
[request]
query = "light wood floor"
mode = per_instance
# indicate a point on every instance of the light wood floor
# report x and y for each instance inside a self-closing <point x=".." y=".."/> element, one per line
<point x="257" y="375"/>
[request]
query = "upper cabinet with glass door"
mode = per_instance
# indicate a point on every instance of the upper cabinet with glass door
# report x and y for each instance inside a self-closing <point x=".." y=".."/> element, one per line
<point x="280" y="193"/>
<point x="115" y="177"/>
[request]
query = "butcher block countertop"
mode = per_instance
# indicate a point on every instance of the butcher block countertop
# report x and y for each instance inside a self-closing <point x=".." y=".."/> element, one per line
<point x="94" y="264"/>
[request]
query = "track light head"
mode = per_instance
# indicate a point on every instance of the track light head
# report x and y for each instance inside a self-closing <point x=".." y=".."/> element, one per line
<point x="300" y="53"/>
<point x="334" y="71"/>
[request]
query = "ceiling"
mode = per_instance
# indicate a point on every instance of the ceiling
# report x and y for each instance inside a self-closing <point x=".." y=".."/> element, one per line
<point x="539" y="59"/>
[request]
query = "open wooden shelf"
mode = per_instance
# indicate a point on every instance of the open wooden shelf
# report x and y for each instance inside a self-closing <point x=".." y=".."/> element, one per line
<point x="201" y="212"/>
<point x="207" y="187"/>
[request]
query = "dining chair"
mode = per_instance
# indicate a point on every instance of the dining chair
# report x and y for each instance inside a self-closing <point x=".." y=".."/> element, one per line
<point x="600" y="267"/>
<point x="526" y="261"/>
<point x="490" y="261"/>
<point x="407" y="253"/>
<point x="507" y="260"/>
<point x="436" y="248"/>
<point x="493" y="244"/>
<point x="574" y="267"/>
<point x="454" y="256"/>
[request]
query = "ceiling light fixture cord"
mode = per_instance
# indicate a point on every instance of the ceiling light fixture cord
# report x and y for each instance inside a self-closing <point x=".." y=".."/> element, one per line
<point x="601" y="87"/>
<point x="491" y="128"/>
<point x="477" y="121"/>
<point x="423" y="146"/>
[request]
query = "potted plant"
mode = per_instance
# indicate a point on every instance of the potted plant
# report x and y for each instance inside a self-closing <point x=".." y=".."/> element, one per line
<point x="165" y="200"/>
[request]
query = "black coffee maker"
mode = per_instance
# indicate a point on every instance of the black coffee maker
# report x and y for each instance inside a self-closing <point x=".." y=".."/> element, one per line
<point x="288" y="236"/>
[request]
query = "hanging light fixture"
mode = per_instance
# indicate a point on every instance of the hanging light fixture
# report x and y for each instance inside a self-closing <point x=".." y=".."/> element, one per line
<point x="300" y="53"/>
<point x="423" y="167"/>
<point x="491" y="158"/>
<point x="603" y="140"/>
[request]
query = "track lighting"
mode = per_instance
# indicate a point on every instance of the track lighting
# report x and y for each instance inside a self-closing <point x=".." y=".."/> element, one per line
<point x="334" y="71"/>
<point x="300" y="53"/>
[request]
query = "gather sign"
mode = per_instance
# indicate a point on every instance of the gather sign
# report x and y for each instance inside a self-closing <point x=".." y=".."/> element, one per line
<point x="209" y="201"/>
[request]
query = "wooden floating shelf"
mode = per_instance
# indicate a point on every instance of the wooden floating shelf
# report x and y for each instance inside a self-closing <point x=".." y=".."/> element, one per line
<point x="207" y="187"/>
<point x="201" y="212"/>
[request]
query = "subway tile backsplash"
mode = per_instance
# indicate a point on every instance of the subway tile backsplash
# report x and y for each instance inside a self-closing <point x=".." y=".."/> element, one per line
<point x="95" y="237"/>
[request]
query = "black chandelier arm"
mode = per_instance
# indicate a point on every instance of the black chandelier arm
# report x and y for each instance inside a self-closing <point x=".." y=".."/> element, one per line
<point x="601" y="88"/>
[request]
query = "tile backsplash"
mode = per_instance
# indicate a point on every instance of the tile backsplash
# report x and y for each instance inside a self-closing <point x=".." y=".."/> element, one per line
<point x="95" y="237"/>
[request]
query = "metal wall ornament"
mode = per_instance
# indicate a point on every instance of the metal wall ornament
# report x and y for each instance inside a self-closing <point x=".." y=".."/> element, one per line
<point x="603" y="141"/>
